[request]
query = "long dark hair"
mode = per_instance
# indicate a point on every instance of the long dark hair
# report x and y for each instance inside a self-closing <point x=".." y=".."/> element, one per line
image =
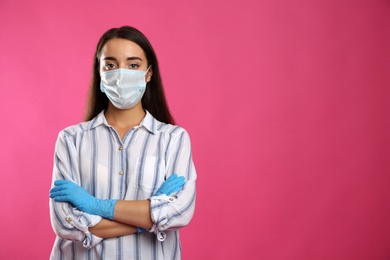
<point x="153" y="99"/>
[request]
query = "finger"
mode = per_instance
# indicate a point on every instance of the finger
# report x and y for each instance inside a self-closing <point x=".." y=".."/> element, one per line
<point x="61" y="188"/>
<point x="175" y="186"/>
<point x="172" y="177"/>
<point x="179" y="181"/>
<point x="61" y="198"/>
<point x="57" y="193"/>
<point x="54" y="189"/>
<point x="176" y="182"/>
<point x="182" y="179"/>
<point x="65" y="183"/>
<point x="60" y="182"/>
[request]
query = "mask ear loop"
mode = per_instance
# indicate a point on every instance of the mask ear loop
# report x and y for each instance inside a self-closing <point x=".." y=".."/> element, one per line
<point x="146" y="72"/>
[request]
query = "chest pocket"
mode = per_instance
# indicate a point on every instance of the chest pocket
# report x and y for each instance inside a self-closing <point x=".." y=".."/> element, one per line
<point x="149" y="173"/>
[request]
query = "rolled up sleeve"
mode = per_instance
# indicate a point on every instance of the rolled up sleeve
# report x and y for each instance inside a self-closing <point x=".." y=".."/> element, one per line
<point x="68" y="222"/>
<point x="176" y="210"/>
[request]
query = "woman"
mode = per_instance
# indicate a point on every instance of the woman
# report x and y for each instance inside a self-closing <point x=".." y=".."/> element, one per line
<point x="114" y="193"/>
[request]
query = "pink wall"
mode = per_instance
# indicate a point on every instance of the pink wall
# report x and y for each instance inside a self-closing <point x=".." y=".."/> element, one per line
<point x="287" y="104"/>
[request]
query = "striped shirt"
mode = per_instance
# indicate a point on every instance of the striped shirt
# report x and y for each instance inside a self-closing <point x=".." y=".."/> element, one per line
<point x="92" y="155"/>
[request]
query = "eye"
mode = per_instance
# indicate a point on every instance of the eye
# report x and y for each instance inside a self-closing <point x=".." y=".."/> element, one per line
<point x="133" y="66"/>
<point x="109" y="66"/>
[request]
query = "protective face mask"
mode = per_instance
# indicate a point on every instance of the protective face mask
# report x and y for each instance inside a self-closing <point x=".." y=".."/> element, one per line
<point x="123" y="87"/>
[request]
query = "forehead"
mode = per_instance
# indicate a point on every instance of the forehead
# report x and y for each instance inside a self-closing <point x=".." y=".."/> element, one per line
<point x="122" y="48"/>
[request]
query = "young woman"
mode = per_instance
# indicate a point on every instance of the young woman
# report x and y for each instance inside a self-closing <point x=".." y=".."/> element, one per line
<point x="118" y="180"/>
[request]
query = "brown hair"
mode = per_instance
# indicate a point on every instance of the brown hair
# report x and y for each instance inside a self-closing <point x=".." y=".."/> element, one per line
<point x="153" y="99"/>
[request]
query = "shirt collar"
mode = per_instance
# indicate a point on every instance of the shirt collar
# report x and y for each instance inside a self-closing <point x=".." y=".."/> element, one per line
<point x="149" y="122"/>
<point x="98" y="120"/>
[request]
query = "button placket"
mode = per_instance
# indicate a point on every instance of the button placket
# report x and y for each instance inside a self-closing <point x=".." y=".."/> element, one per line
<point x="120" y="148"/>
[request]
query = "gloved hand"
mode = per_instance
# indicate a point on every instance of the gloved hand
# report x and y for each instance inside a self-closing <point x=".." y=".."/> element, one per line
<point x="140" y="230"/>
<point x="68" y="191"/>
<point x="171" y="185"/>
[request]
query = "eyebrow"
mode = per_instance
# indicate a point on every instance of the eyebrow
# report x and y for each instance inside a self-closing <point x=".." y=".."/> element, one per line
<point x="129" y="58"/>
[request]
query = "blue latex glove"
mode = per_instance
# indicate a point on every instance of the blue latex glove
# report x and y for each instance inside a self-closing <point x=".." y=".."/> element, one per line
<point x="171" y="185"/>
<point x="68" y="191"/>
<point x="140" y="230"/>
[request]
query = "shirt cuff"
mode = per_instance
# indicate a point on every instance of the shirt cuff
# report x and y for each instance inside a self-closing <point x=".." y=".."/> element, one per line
<point x="159" y="206"/>
<point x="82" y="223"/>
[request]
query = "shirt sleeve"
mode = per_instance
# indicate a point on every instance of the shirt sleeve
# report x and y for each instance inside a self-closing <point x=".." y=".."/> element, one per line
<point x="67" y="221"/>
<point x="176" y="211"/>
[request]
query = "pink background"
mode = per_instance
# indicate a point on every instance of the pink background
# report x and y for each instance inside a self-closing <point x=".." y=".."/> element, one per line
<point x="286" y="102"/>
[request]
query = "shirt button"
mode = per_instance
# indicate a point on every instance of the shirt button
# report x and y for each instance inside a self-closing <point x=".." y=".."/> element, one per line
<point x="120" y="148"/>
<point x="69" y="219"/>
<point x="161" y="236"/>
<point x="171" y="199"/>
<point x="120" y="172"/>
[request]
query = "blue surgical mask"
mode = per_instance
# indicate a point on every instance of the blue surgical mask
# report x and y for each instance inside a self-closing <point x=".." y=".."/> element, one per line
<point x="123" y="87"/>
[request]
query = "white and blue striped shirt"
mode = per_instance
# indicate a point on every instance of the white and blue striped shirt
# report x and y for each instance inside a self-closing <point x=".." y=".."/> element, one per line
<point x="92" y="155"/>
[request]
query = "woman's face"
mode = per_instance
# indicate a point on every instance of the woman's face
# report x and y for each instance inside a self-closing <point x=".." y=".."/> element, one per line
<point x="125" y="54"/>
